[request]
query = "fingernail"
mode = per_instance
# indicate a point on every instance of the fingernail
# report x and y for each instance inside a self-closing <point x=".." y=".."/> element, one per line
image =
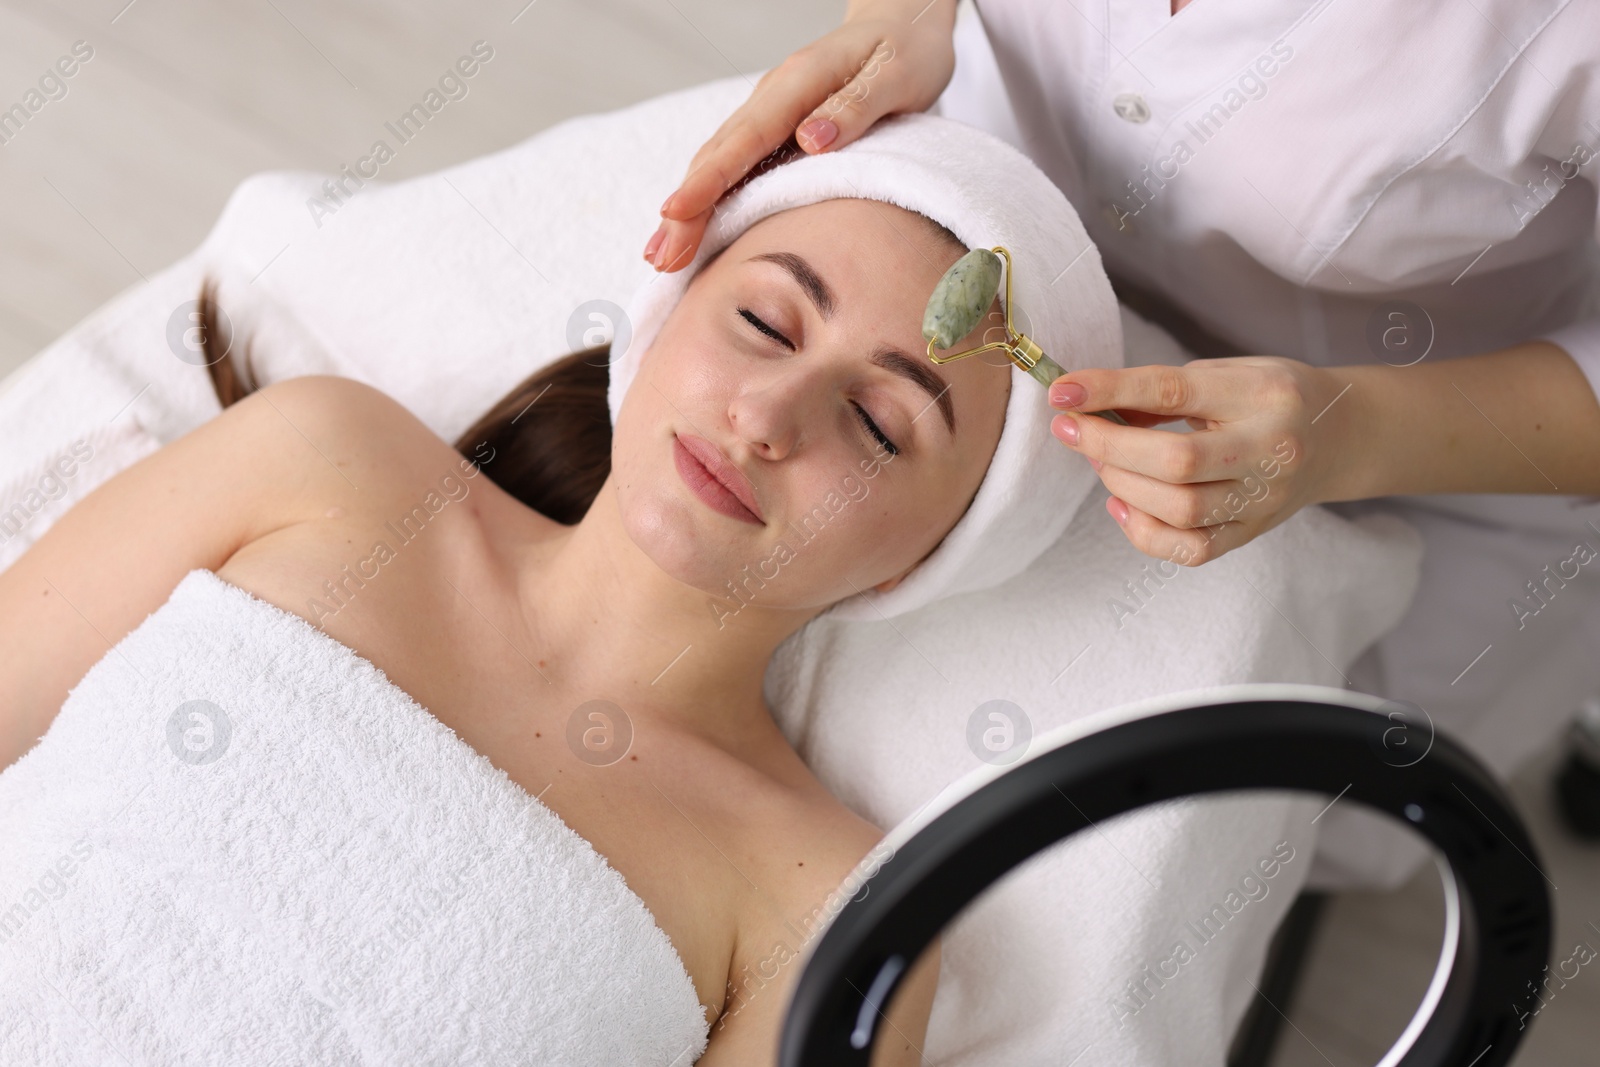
<point x="662" y="259"/>
<point x="1096" y="464"/>
<point x="671" y="257"/>
<point x="1118" y="509"/>
<point x="654" y="243"/>
<point x="820" y="132"/>
<point x="667" y="203"/>
<point x="1069" y="395"/>
<point x="1066" y="428"/>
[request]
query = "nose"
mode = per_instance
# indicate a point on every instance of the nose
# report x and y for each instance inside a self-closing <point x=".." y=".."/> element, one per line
<point x="769" y="415"/>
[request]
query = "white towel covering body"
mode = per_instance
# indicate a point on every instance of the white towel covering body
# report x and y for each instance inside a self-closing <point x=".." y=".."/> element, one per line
<point x="308" y="868"/>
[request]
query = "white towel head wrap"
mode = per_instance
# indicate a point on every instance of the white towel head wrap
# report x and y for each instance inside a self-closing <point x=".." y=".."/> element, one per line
<point x="987" y="194"/>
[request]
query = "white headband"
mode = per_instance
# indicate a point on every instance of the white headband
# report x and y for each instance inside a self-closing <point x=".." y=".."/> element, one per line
<point x="986" y="193"/>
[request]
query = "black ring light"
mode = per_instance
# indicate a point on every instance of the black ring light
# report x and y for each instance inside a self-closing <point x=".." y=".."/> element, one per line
<point x="1315" y="739"/>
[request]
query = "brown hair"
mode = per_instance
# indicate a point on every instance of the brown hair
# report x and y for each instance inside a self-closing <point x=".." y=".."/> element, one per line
<point x="554" y="464"/>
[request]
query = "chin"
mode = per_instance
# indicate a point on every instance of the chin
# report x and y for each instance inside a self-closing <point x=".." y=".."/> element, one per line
<point x="660" y="514"/>
<point x="680" y="535"/>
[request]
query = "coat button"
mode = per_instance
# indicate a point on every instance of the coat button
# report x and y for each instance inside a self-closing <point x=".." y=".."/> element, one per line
<point x="1131" y="106"/>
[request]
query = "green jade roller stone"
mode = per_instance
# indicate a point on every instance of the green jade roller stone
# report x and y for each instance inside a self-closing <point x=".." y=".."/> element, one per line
<point x="959" y="303"/>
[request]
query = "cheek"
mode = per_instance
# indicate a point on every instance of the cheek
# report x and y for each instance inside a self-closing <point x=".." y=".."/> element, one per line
<point x="680" y="388"/>
<point x="857" y="529"/>
<point x="667" y="393"/>
<point x="658" y="513"/>
<point x="642" y="472"/>
<point x="690" y="361"/>
<point x="836" y="553"/>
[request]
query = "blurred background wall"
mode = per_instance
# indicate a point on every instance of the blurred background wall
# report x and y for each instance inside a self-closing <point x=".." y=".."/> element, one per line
<point x="129" y="160"/>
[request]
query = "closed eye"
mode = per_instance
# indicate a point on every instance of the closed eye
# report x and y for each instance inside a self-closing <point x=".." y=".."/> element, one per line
<point x="754" y="320"/>
<point x="872" y="428"/>
<point x="866" y="420"/>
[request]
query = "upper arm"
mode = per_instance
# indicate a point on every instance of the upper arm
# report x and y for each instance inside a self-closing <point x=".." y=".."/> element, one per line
<point x="766" y="959"/>
<point x="752" y="1022"/>
<point x="118" y="553"/>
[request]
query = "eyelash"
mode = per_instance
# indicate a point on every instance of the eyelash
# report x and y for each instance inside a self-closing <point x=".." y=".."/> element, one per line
<point x="866" y="419"/>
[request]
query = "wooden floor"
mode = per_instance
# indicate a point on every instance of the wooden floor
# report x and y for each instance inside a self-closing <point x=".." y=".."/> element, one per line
<point x="181" y="100"/>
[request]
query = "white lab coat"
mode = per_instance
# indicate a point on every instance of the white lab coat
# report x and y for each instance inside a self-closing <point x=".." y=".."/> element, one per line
<point x="1340" y="181"/>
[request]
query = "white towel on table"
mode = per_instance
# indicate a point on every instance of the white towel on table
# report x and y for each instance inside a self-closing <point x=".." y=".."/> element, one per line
<point x="323" y="874"/>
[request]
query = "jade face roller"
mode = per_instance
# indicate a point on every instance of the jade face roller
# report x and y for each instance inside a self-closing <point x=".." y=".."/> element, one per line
<point x="960" y="301"/>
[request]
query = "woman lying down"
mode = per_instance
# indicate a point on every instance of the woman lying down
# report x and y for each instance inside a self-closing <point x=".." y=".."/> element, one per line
<point x="232" y="820"/>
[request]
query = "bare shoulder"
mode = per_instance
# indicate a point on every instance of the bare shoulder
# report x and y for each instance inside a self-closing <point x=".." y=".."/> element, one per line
<point x="265" y="464"/>
<point x="347" y="414"/>
<point x="349" y="437"/>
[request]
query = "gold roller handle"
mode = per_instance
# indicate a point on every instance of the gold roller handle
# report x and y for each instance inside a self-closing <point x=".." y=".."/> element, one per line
<point x="1045" y="370"/>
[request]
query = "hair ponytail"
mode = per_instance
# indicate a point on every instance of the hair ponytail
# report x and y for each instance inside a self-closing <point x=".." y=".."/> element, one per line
<point x="554" y="462"/>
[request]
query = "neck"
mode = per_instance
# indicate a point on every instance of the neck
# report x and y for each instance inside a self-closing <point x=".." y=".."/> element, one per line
<point x="608" y="623"/>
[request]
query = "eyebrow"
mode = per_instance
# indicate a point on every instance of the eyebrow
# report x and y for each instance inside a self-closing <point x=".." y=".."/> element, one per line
<point x="808" y="279"/>
<point x="890" y="359"/>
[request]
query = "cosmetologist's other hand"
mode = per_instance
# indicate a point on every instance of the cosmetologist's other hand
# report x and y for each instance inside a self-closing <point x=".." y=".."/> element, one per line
<point x="1267" y="441"/>
<point x="888" y="56"/>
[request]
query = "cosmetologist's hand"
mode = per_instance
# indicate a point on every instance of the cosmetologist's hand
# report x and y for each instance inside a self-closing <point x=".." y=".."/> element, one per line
<point x="888" y="56"/>
<point x="1266" y="442"/>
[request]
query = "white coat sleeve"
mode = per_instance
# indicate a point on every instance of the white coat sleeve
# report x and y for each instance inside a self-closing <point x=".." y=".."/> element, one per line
<point x="1582" y="342"/>
<point x="1569" y="62"/>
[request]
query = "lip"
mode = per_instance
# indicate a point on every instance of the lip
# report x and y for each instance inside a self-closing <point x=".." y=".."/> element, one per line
<point x="714" y="479"/>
